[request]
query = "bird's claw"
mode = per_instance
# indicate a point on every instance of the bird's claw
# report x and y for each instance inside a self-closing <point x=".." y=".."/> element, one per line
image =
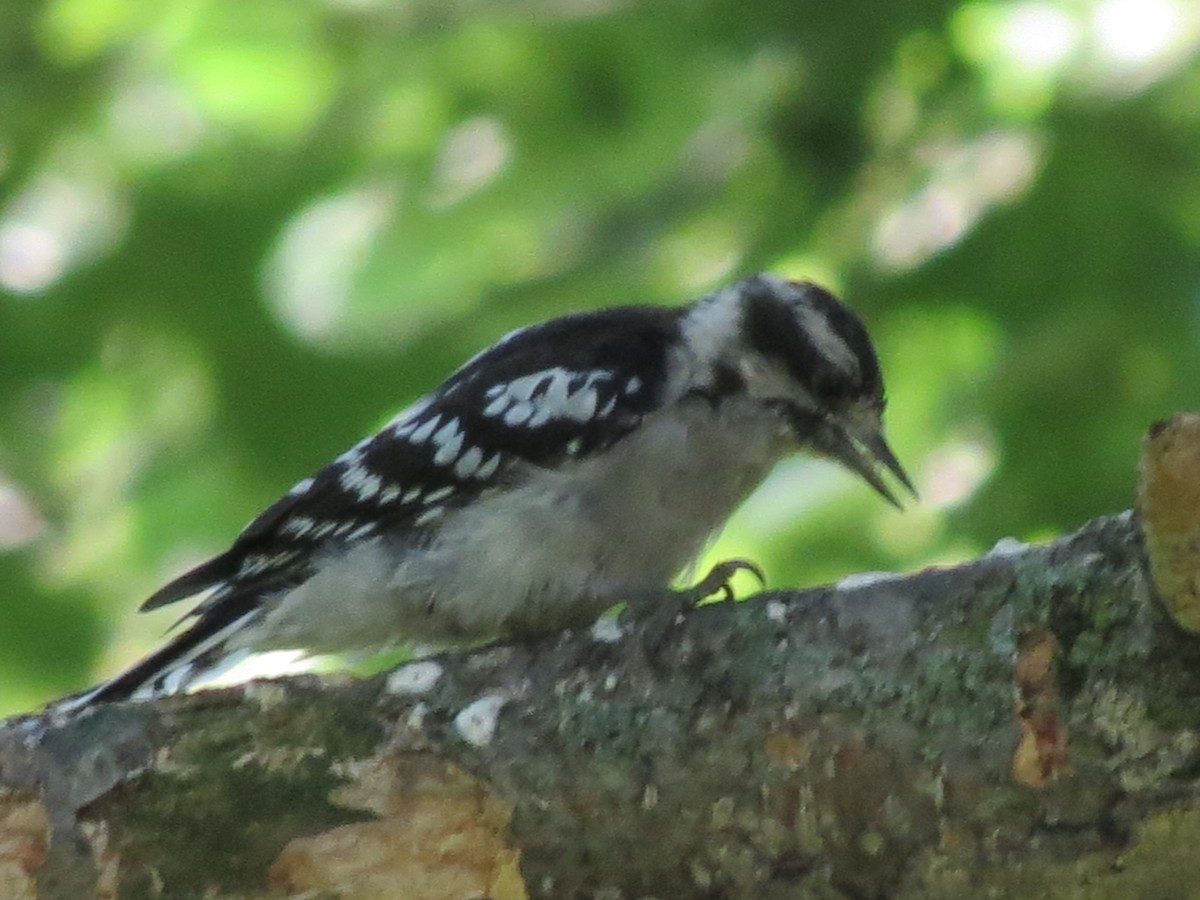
<point x="656" y="614"/>
<point x="719" y="580"/>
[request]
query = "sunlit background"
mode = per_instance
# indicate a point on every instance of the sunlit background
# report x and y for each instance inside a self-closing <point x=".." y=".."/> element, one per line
<point x="236" y="236"/>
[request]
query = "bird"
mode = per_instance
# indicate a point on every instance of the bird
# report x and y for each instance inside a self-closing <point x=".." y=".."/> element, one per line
<point x="573" y="465"/>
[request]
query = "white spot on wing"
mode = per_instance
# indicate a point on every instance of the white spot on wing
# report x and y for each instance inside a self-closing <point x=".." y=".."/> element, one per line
<point x="422" y="434"/>
<point x="301" y="487"/>
<point x="468" y="462"/>
<point x="488" y="469"/>
<point x="299" y="526"/>
<point x="519" y="414"/>
<point x="581" y="406"/>
<point x="449" y="440"/>
<point x="362" y="481"/>
<point x="541" y="396"/>
<point x="558" y="389"/>
<point x="523" y="388"/>
<point x="410" y="495"/>
<point x="440" y="494"/>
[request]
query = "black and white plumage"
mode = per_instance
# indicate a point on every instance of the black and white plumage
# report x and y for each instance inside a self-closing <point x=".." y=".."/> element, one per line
<point x="570" y="466"/>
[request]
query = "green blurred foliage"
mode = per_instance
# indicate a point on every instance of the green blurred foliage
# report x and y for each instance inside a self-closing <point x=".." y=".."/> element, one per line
<point x="234" y="236"/>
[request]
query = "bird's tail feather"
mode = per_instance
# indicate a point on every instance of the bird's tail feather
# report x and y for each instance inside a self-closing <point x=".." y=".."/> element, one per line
<point x="187" y="660"/>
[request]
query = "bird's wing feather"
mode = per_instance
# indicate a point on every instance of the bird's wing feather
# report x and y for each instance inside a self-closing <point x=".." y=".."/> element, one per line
<point x="545" y="394"/>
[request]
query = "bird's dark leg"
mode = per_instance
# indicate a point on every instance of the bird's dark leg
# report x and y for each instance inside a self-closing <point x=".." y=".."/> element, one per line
<point x="655" y="612"/>
<point x="719" y="580"/>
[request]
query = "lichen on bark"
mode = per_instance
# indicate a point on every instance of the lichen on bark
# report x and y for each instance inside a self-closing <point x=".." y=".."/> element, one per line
<point x="1025" y="724"/>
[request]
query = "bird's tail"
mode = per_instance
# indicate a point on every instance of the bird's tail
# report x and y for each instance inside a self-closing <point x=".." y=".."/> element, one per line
<point x="190" y="659"/>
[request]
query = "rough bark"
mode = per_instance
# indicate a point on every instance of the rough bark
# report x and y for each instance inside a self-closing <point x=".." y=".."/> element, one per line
<point x="1021" y="726"/>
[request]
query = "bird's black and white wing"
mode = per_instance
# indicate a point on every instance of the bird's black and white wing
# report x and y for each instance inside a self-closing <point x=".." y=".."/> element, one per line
<point x="574" y="464"/>
<point x="542" y="397"/>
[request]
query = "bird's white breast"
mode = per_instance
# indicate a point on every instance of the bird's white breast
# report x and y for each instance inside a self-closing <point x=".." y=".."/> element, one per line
<point x="555" y="548"/>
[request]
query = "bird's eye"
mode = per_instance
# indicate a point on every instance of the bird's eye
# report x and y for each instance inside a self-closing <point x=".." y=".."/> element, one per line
<point x="800" y="419"/>
<point x="834" y="390"/>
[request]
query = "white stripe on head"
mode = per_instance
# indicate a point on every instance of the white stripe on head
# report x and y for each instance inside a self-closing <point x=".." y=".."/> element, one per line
<point x="832" y="347"/>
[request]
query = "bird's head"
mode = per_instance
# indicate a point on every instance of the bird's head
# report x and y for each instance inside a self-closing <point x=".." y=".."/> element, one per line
<point x="800" y="352"/>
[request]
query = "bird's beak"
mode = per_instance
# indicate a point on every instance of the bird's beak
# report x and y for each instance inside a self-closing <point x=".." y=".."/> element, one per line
<point x="865" y="455"/>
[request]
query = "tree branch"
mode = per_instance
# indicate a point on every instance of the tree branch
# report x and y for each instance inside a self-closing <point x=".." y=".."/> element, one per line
<point x="1023" y="725"/>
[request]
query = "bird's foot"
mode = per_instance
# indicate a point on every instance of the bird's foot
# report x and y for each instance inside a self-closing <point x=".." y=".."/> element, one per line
<point x="655" y="614"/>
<point x="719" y="580"/>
